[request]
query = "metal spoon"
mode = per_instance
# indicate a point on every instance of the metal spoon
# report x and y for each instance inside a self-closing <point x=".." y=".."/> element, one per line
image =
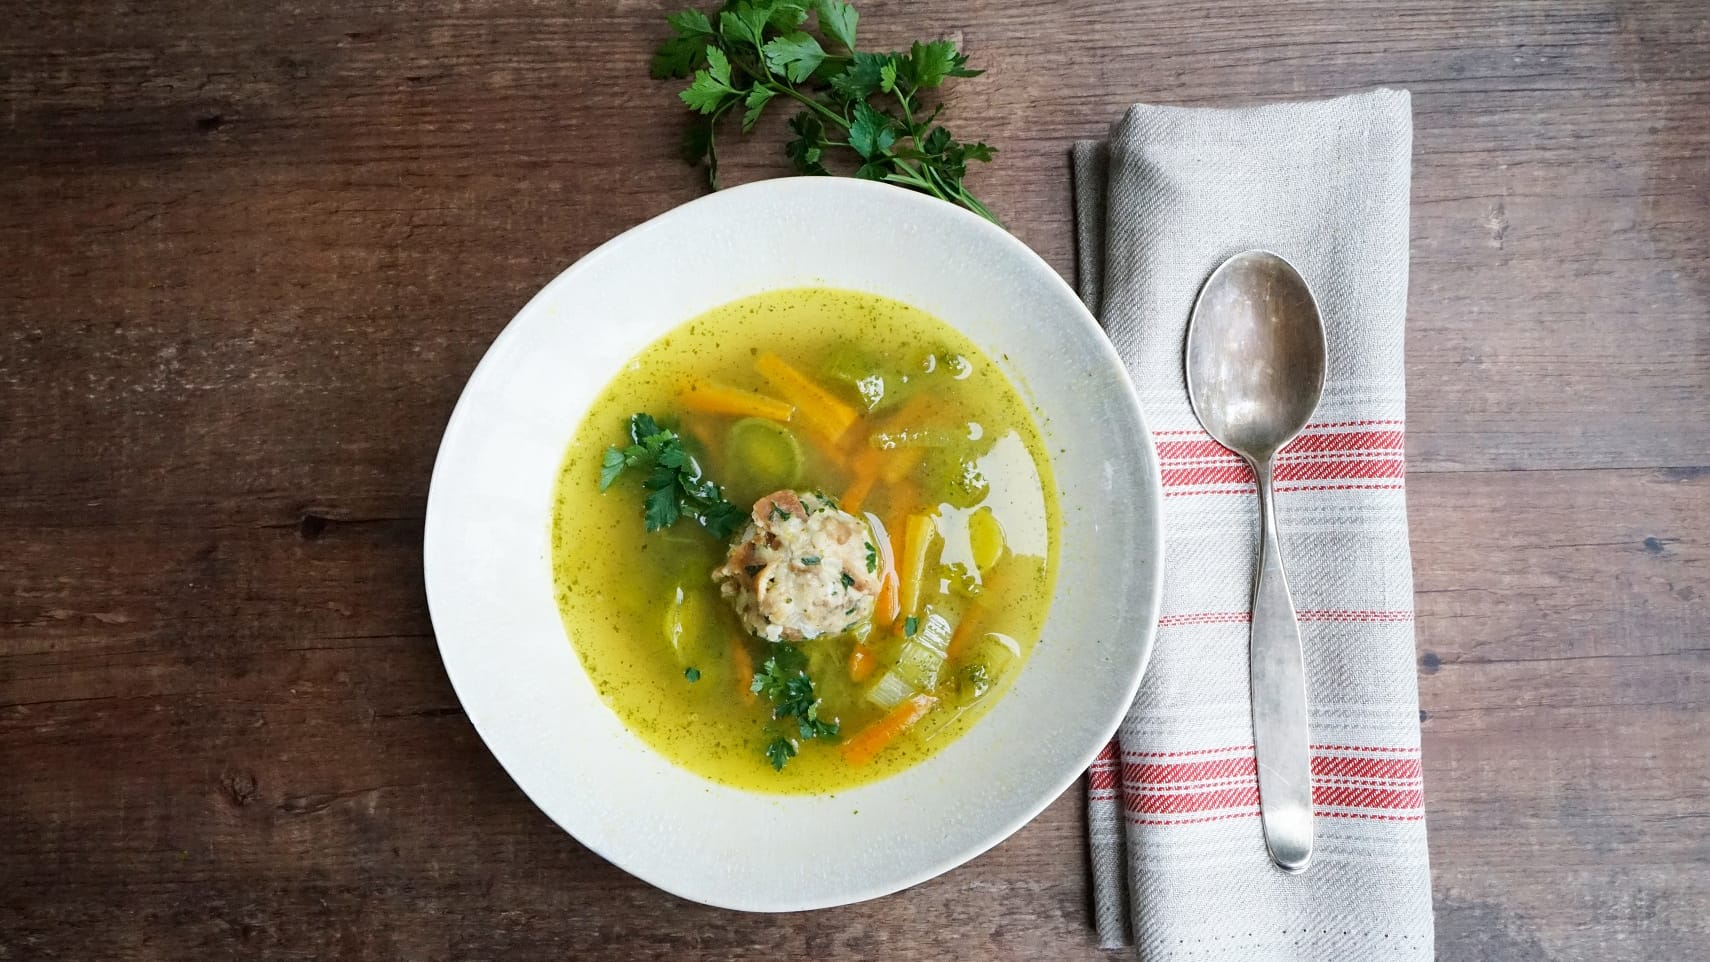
<point x="1255" y="371"/>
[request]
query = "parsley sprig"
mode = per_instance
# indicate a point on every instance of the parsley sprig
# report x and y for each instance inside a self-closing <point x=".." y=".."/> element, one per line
<point x="871" y="104"/>
<point x="784" y="680"/>
<point x="674" y="483"/>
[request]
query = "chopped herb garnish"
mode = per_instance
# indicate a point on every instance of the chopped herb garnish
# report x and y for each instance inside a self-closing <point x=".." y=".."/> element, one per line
<point x="674" y="483"/>
<point x="910" y="625"/>
<point x="780" y="750"/>
<point x="783" y="679"/>
<point x="846" y="578"/>
<point x="753" y="569"/>
<point x="692" y="673"/>
<point x="872" y="558"/>
<point x="779" y="513"/>
<point x="810" y="560"/>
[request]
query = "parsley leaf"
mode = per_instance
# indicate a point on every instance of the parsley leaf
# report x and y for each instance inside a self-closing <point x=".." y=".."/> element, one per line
<point x="682" y="54"/>
<point x="872" y="557"/>
<point x="780" y="750"/>
<point x="861" y="79"/>
<point x="786" y="15"/>
<point x="698" y="145"/>
<point x="642" y="427"/>
<point x="720" y="517"/>
<point x="837" y="20"/>
<point x="929" y="63"/>
<point x="868" y="103"/>
<point x="692" y="673"/>
<point x="848" y="582"/>
<point x="809" y="146"/>
<point x="756" y="101"/>
<point x="795" y="55"/>
<point x="871" y="134"/>
<point x="810" y="560"/>
<point x="690" y="23"/>
<point x="711" y="89"/>
<point x="911" y="625"/>
<point x="660" y="508"/>
<point x="674" y="484"/>
<point x="677" y="57"/>
<point x="611" y="466"/>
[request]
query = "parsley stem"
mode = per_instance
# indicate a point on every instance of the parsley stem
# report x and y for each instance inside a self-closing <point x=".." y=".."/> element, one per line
<point x="770" y="82"/>
<point x="712" y="143"/>
<point x="824" y="111"/>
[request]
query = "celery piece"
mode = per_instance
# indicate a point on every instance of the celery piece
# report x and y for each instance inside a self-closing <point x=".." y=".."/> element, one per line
<point x="889" y="691"/>
<point x="984" y="666"/>
<point x="921" y="659"/>
<point x="878" y="385"/>
<point x="763" y="454"/>
<point x="919" y="664"/>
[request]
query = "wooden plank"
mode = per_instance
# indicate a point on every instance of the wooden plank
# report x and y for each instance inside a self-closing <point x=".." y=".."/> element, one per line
<point x="1564" y="680"/>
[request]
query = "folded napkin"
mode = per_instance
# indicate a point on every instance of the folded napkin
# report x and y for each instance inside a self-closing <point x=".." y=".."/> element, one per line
<point x="1179" y="858"/>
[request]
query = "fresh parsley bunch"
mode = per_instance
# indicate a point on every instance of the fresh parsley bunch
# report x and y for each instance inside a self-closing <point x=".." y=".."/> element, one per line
<point x="871" y="104"/>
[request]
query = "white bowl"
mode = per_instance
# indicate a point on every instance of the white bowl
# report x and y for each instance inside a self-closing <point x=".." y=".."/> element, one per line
<point x="489" y="579"/>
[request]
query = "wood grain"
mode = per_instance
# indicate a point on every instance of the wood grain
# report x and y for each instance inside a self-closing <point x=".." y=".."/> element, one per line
<point x="250" y="251"/>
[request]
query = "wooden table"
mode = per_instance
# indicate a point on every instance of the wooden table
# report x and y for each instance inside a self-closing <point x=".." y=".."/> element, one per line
<point x="249" y="251"/>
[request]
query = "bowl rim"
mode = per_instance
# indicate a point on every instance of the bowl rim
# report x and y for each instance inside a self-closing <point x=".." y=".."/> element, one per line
<point x="1041" y="272"/>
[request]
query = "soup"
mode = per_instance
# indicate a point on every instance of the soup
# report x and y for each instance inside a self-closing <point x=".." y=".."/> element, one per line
<point x="805" y="540"/>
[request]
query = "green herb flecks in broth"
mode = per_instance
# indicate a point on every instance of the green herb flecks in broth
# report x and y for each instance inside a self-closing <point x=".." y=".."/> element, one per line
<point x="864" y="423"/>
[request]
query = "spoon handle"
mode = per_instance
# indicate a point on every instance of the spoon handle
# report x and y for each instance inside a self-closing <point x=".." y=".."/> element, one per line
<point x="1278" y="676"/>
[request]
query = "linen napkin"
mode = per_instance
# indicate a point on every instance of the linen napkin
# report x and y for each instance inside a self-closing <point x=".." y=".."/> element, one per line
<point x="1179" y="861"/>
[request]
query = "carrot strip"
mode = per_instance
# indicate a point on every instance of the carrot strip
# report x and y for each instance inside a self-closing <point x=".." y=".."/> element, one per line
<point x="867" y="460"/>
<point x="886" y="608"/>
<point x="857" y="492"/>
<point x="917" y="543"/>
<point x="742" y="665"/>
<point x="862" y="661"/>
<point x="910" y="411"/>
<point x="905" y="500"/>
<point x="833" y="453"/>
<point x="817" y="409"/>
<point x="964" y="633"/>
<point x="901" y="464"/>
<point x="870" y="741"/>
<point x="865" y="467"/>
<point x="718" y="399"/>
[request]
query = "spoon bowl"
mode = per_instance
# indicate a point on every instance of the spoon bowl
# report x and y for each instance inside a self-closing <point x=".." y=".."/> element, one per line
<point x="1255" y="354"/>
<point x="1255" y="372"/>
